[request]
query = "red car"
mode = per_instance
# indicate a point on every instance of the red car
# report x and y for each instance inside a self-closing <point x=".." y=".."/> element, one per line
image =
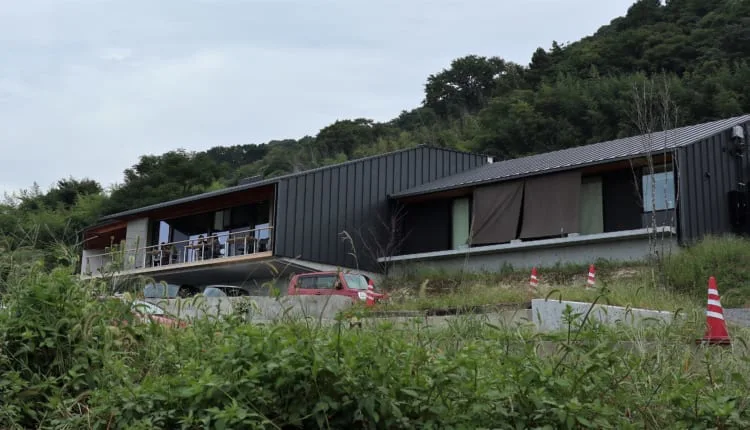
<point x="332" y="283"/>
<point x="149" y="312"/>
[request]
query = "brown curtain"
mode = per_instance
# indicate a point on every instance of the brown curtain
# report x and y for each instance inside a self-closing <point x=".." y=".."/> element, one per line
<point x="551" y="205"/>
<point x="496" y="211"/>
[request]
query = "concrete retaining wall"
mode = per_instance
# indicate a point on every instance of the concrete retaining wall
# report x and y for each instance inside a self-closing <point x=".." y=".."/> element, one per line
<point x="258" y="308"/>
<point x="627" y="246"/>
<point x="737" y="316"/>
<point x="548" y="314"/>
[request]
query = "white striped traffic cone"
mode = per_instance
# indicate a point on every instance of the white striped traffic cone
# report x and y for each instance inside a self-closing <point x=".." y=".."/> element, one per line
<point x="370" y="297"/>
<point x="533" y="281"/>
<point x="591" y="282"/>
<point x="716" y="332"/>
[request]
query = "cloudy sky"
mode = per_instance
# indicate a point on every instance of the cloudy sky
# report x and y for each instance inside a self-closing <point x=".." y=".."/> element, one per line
<point x="87" y="86"/>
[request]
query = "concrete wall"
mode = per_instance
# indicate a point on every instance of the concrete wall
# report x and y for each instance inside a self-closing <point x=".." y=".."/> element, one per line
<point x="548" y="314"/>
<point x="261" y="309"/>
<point x="92" y="260"/>
<point x="617" y="246"/>
<point x="136" y="236"/>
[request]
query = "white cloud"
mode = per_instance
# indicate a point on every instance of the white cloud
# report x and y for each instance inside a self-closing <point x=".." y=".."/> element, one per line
<point x="88" y="86"/>
<point x="116" y="54"/>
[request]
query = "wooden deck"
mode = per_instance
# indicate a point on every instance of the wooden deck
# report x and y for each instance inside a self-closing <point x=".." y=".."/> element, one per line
<point x="208" y="263"/>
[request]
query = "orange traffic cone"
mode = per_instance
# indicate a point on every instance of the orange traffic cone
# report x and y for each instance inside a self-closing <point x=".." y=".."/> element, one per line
<point x="716" y="332"/>
<point x="592" y="277"/>
<point x="533" y="281"/>
<point x="370" y="297"/>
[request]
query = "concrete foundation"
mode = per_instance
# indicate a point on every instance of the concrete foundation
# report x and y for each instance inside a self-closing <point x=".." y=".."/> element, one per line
<point x="258" y="308"/>
<point x="548" y="315"/>
<point x="624" y="246"/>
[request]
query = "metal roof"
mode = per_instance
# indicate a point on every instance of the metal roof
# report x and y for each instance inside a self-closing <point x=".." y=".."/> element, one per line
<point x="255" y="184"/>
<point x="597" y="153"/>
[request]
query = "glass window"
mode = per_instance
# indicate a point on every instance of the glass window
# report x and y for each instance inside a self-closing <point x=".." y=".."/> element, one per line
<point x="658" y="191"/>
<point x="356" y="282"/>
<point x="460" y="236"/>
<point x="167" y="291"/>
<point x="317" y="282"/>
<point x="261" y="231"/>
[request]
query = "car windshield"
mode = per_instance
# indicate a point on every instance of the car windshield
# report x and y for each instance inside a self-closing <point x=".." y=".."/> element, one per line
<point x="152" y="291"/>
<point x="356" y="282"/>
<point x="147" y="308"/>
<point x="224" y="291"/>
<point x="213" y="292"/>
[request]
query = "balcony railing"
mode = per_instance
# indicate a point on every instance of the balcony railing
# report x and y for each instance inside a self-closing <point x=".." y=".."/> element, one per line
<point x="220" y="246"/>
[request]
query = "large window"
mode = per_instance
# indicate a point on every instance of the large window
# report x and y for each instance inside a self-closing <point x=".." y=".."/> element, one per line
<point x="658" y="191"/>
<point x="460" y="223"/>
<point x="591" y="219"/>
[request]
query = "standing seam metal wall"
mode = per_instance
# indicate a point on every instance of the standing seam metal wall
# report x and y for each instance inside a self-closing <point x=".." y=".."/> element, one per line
<point x="707" y="171"/>
<point x="313" y="209"/>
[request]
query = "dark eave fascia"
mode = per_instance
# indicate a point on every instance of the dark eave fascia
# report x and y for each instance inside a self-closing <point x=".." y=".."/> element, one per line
<point x="405" y="194"/>
<point x="261" y="183"/>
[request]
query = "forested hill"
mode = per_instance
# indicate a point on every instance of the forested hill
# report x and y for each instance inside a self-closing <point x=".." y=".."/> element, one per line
<point x="568" y="95"/>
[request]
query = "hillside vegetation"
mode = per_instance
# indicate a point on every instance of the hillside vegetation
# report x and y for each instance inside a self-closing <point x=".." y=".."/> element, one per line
<point x="568" y="95"/>
<point x="66" y="364"/>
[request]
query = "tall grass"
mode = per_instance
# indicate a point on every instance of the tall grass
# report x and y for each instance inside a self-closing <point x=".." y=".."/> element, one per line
<point x="625" y="286"/>
<point x="66" y="364"/>
<point x="726" y="258"/>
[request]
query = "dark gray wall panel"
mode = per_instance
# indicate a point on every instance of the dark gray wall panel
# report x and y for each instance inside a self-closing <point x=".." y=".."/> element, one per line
<point x="344" y="190"/>
<point x="621" y="201"/>
<point x="326" y="202"/>
<point x="429" y="227"/>
<point x="314" y="208"/>
<point x="708" y="170"/>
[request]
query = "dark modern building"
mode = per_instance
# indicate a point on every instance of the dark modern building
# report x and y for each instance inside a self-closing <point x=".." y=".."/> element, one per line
<point x="622" y="199"/>
<point x="335" y="216"/>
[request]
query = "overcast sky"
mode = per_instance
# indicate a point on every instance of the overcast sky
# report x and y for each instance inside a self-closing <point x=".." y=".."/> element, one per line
<point x="87" y="86"/>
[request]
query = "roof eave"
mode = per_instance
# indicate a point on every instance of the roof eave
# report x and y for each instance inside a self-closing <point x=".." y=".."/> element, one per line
<point x="523" y="175"/>
<point x="188" y="199"/>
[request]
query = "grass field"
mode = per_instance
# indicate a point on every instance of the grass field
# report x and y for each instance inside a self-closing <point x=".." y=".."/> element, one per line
<point x="635" y="289"/>
<point x="66" y="365"/>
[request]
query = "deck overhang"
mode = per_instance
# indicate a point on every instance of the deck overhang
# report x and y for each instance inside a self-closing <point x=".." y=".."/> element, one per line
<point x="249" y="270"/>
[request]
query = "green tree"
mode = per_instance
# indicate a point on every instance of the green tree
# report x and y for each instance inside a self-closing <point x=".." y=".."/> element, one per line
<point x="157" y="178"/>
<point x="465" y="87"/>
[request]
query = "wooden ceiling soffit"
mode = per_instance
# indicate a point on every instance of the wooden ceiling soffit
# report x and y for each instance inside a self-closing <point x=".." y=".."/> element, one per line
<point x="657" y="159"/>
<point x="105" y="229"/>
<point x="211" y="204"/>
<point x="102" y="239"/>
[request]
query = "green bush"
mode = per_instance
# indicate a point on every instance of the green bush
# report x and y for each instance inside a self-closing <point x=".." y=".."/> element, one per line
<point x="727" y="258"/>
<point x="65" y="365"/>
<point x="56" y="343"/>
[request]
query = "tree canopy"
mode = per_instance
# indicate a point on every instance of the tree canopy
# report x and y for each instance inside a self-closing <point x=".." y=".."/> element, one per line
<point x="568" y="95"/>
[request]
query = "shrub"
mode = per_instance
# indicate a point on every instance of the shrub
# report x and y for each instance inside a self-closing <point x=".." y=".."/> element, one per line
<point x="727" y="258"/>
<point x="57" y="342"/>
<point x="65" y="365"/>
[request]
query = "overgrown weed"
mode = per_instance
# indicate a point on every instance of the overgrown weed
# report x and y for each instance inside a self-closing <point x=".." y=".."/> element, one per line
<point x="68" y="363"/>
<point x="727" y="258"/>
<point x="636" y="291"/>
<point x="467" y="371"/>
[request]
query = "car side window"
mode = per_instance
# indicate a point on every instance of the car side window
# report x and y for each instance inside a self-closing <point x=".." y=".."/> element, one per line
<point x="306" y="282"/>
<point x="325" y="282"/>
